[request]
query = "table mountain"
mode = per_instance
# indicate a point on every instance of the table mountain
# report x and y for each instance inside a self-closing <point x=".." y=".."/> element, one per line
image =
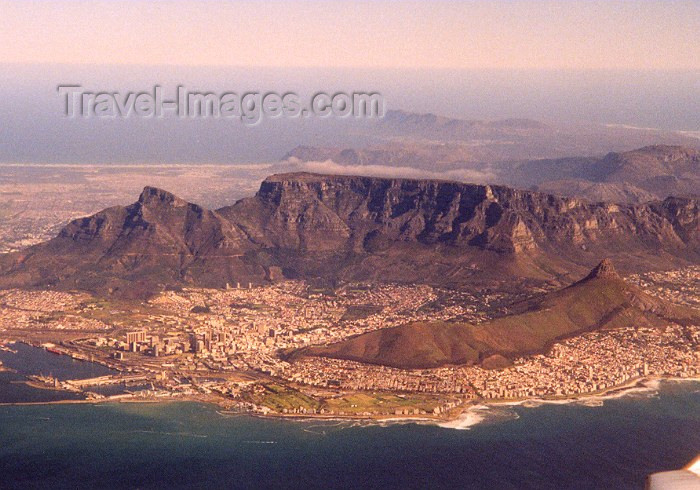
<point x="329" y="227"/>
<point x="636" y="176"/>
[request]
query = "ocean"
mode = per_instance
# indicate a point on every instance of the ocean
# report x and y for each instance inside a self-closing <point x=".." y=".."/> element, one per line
<point x="604" y="443"/>
<point x="36" y="130"/>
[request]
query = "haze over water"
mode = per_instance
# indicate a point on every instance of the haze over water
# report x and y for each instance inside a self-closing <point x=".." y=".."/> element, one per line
<point x="36" y="131"/>
<point x="601" y="62"/>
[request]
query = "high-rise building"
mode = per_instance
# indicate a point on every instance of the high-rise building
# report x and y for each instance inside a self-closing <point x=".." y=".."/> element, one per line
<point x="136" y="336"/>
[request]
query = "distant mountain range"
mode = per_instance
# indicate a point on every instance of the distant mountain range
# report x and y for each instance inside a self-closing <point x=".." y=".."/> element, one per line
<point x="647" y="173"/>
<point x="338" y="228"/>
<point x="596" y="162"/>
<point x="430" y="142"/>
<point x="641" y="175"/>
<point x="601" y="300"/>
<point x="523" y="139"/>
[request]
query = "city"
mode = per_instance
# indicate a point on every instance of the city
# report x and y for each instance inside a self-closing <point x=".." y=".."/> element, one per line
<point x="235" y="347"/>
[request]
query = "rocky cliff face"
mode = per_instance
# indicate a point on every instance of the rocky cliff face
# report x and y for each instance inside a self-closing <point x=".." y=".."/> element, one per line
<point x="159" y="240"/>
<point x="605" y="270"/>
<point x="317" y="212"/>
<point x="356" y="228"/>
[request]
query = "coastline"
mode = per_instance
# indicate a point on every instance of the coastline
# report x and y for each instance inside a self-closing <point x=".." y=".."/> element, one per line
<point x="631" y="386"/>
<point x="466" y="417"/>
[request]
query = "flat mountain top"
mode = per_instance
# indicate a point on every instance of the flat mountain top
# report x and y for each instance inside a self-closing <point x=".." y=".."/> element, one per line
<point x="334" y="228"/>
<point x="635" y="176"/>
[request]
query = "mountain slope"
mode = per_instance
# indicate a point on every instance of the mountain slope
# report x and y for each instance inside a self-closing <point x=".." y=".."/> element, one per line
<point x="336" y="228"/>
<point x="657" y="170"/>
<point x="158" y="240"/>
<point x="636" y="176"/>
<point x="601" y="300"/>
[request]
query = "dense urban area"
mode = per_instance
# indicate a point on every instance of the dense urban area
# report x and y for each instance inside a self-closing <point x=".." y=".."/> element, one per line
<point x="232" y="347"/>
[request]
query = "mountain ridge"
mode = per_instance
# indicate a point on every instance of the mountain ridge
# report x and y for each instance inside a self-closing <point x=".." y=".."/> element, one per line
<point x="635" y="176"/>
<point x="338" y="228"/>
<point x="656" y="170"/>
<point x="600" y="300"/>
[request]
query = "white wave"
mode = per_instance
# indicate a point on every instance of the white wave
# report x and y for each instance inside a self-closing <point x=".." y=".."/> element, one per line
<point x="465" y="421"/>
<point x="590" y="402"/>
<point x="653" y="384"/>
<point x="178" y="434"/>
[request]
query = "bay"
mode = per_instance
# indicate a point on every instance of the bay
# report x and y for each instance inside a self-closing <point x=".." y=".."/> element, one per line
<point x="191" y="445"/>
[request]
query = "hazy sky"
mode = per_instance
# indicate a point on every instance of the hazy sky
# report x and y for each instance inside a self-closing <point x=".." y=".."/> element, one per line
<point x="620" y="62"/>
<point x="647" y="35"/>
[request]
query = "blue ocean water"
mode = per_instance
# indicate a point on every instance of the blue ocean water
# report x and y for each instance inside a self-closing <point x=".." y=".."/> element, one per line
<point x="34" y="128"/>
<point x="30" y="360"/>
<point x="35" y="360"/>
<point x="190" y="445"/>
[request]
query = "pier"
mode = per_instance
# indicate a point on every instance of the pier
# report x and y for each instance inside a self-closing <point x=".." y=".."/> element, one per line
<point x="106" y="380"/>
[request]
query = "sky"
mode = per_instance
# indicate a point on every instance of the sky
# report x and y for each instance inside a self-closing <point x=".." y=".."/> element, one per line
<point x="611" y="62"/>
<point x="517" y="34"/>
